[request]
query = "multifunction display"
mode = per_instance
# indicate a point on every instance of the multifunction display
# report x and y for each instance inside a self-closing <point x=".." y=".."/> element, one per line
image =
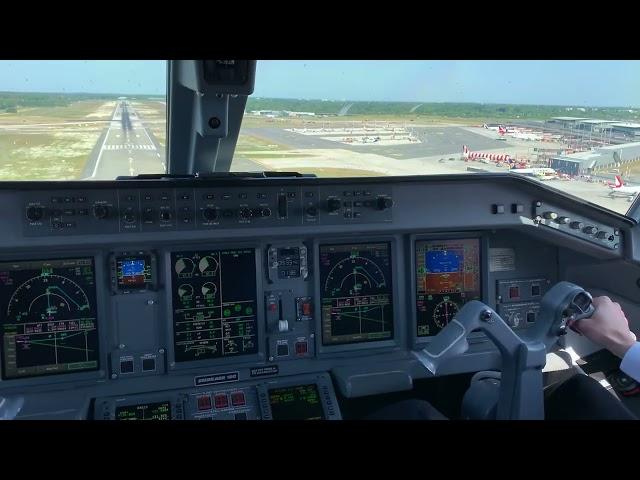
<point x="49" y="322"/>
<point x="214" y="303"/>
<point x="145" y="411"/>
<point x="447" y="276"/>
<point x="133" y="272"/>
<point x="356" y="293"/>
<point x="301" y="402"/>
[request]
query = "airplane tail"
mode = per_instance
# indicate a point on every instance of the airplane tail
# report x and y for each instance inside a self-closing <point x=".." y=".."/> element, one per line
<point x="619" y="183"/>
<point x="465" y="150"/>
<point x="502" y="130"/>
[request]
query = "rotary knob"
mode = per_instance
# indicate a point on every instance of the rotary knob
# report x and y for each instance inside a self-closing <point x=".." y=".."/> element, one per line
<point x="101" y="212"/>
<point x="35" y="213"/>
<point x="311" y="211"/>
<point x="245" y="213"/>
<point x="333" y="204"/>
<point x="563" y="220"/>
<point x="384" y="203"/>
<point x="550" y="215"/>
<point x="265" y="212"/>
<point x="165" y="216"/>
<point x="577" y="225"/>
<point x="601" y="234"/>
<point x="590" y="230"/>
<point x="210" y="214"/>
<point x="129" y="216"/>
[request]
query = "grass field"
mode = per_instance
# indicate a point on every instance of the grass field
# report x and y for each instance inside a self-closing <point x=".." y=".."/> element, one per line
<point x="57" y="156"/>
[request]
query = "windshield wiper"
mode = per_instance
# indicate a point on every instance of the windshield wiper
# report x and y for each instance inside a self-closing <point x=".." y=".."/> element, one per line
<point x="214" y="175"/>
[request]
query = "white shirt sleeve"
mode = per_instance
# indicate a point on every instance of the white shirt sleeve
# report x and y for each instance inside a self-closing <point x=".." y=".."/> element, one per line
<point x="631" y="362"/>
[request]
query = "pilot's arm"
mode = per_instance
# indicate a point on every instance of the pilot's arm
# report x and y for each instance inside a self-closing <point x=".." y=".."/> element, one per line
<point x="609" y="327"/>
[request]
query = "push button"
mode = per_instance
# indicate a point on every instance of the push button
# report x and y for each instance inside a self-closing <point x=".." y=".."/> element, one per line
<point x="283" y="350"/>
<point x="221" y="400"/>
<point x="237" y="399"/>
<point x="301" y="348"/>
<point x="204" y="402"/>
<point x="126" y="366"/>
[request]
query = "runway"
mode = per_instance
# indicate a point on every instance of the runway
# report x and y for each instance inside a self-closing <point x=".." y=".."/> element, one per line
<point x="126" y="148"/>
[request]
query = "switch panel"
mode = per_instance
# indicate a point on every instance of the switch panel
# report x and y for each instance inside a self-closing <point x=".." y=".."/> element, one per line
<point x="550" y="216"/>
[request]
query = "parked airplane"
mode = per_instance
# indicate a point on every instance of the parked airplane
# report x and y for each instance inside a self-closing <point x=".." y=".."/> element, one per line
<point x="618" y="188"/>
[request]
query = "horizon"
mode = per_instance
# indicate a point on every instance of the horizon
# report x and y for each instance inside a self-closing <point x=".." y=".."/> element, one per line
<point x="408" y="102"/>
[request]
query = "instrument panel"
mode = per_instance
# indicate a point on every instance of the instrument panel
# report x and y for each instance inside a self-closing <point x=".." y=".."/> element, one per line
<point x="247" y="317"/>
<point x="49" y="321"/>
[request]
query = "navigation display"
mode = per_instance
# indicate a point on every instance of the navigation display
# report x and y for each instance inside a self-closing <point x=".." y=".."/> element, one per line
<point x="145" y="411"/>
<point x="49" y="322"/>
<point x="447" y="276"/>
<point x="356" y="294"/>
<point x="301" y="402"/>
<point x="133" y="273"/>
<point x="214" y="303"/>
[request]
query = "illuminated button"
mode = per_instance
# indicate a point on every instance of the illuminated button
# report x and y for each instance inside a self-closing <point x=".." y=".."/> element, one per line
<point x="517" y="208"/>
<point x="498" y="209"/>
<point x="221" y="400"/>
<point x="237" y="399"/>
<point x="301" y="348"/>
<point x="514" y="292"/>
<point x="126" y="366"/>
<point x="204" y="402"/>
<point x="306" y="308"/>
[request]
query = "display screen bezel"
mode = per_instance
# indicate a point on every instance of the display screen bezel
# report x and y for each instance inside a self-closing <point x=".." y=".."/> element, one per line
<point x="136" y="405"/>
<point x="484" y="276"/>
<point x="235" y="360"/>
<point x="390" y="293"/>
<point x="291" y="387"/>
<point x="147" y="284"/>
<point x="397" y="282"/>
<point x="101" y="288"/>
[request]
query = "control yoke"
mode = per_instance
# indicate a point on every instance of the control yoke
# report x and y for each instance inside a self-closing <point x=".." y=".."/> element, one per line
<point x="523" y="355"/>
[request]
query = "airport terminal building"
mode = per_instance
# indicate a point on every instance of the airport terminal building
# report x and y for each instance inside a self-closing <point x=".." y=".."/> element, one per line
<point x="586" y="163"/>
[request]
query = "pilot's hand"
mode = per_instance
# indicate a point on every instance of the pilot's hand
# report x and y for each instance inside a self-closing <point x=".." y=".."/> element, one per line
<point x="608" y="327"/>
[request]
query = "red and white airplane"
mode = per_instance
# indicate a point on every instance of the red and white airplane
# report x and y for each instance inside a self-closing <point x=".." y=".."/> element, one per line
<point x="618" y="188"/>
<point x="494" y="157"/>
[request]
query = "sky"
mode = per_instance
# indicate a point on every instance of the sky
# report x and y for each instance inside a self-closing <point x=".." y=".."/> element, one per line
<point x="576" y="82"/>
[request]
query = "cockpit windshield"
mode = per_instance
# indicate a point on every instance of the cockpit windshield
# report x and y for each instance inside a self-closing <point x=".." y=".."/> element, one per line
<point x="574" y="125"/>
